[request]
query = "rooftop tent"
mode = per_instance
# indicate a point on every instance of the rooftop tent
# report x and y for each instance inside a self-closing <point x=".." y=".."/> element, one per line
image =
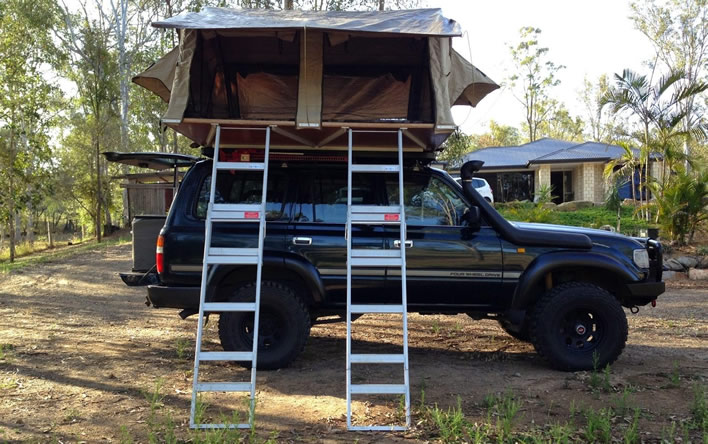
<point x="315" y="72"/>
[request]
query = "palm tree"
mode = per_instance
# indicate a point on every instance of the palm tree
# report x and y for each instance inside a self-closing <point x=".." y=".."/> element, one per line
<point x="656" y="108"/>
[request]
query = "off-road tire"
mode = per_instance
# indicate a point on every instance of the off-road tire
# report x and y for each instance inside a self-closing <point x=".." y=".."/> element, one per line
<point x="556" y="321"/>
<point x="284" y="325"/>
<point x="522" y="334"/>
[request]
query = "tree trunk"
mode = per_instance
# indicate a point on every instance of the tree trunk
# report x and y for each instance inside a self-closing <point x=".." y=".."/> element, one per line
<point x="174" y="141"/>
<point x="619" y="216"/>
<point x="18" y="226"/>
<point x="50" y="238"/>
<point x="30" y="224"/>
<point x="98" y="190"/>
<point x="12" y="234"/>
<point x="109" y="221"/>
<point x="288" y="4"/>
<point x="382" y="5"/>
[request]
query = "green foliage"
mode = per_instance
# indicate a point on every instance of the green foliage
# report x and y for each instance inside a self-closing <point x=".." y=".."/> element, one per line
<point x="599" y="425"/>
<point x="450" y="424"/>
<point x="681" y="205"/>
<point x="631" y="433"/>
<point x="456" y="146"/>
<point x="561" y="124"/>
<point x="675" y="376"/>
<point x="4" y="349"/>
<point x="537" y="212"/>
<point x="534" y="76"/>
<point x="594" y="217"/>
<point x="28" y="103"/>
<point x="699" y="408"/>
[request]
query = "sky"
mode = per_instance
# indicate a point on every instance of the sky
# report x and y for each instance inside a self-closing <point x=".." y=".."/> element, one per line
<point x="590" y="38"/>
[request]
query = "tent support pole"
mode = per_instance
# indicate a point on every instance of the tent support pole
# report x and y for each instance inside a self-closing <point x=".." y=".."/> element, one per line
<point x="415" y="139"/>
<point x="331" y="137"/>
<point x="293" y="136"/>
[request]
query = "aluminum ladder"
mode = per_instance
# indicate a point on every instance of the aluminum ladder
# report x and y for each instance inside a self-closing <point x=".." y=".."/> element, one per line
<point x="371" y="258"/>
<point x="219" y="212"/>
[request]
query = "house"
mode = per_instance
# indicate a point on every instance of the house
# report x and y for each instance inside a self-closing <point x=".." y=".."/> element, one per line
<point x="574" y="171"/>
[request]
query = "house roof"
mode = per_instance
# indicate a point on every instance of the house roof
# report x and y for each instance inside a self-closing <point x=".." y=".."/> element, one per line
<point x="546" y="151"/>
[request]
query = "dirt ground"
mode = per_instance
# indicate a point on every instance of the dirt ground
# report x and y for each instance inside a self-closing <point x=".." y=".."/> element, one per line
<point x="81" y="353"/>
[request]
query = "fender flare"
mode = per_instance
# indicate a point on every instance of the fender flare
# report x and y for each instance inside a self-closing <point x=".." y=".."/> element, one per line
<point x="545" y="263"/>
<point x="272" y="262"/>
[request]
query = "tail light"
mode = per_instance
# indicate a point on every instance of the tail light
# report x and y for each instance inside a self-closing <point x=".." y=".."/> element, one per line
<point x="159" y="257"/>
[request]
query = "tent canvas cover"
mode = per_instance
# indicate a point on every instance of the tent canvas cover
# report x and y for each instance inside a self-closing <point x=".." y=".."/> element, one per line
<point x="311" y="74"/>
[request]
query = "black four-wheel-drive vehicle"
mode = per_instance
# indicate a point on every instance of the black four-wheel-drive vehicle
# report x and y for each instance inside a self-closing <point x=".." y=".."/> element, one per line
<point x="561" y="288"/>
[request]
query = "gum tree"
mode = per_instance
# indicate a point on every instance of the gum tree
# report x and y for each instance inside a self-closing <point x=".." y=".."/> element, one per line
<point x="534" y="75"/>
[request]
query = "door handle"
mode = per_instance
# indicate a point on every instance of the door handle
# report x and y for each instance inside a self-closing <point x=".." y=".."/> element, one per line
<point x="397" y="243"/>
<point x="302" y="241"/>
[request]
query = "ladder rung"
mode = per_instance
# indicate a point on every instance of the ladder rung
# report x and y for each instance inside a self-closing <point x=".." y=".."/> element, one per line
<point x="378" y="389"/>
<point x="240" y="166"/>
<point x="223" y="386"/>
<point x="360" y="358"/>
<point x="376" y="308"/>
<point x="237" y="256"/>
<point x="222" y="426"/>
<point x="229" y="306"/>
<point x="396" y="209"/>
<point x="225" y="356"/>
<point x="371" y="168"/>
<point x="236" y="212"/>
<point x="372" y="214"/>
<point x="378" y="428"/>
<point x="376" y="262"/>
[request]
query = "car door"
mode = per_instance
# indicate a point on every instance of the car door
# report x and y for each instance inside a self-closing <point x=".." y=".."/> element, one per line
<point x="317" y="234"/>
<point x="448" y="263"/>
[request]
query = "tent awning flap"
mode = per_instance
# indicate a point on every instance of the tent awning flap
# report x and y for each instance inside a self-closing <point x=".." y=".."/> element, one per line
<point x="159" y="77"/>
<point x="180" y="86"/>
<point x="423" y="22"/>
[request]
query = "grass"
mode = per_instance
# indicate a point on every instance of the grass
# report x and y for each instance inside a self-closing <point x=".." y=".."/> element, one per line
<point x="161" y="427"/>
<point x="61" y="253"/>
<point x="182" y="348"/>
<point x="594" y="217"/>
<point x="699" y="410"/>
<point x="675" y="376"/>
<point x="501" y="413"/>
<point x="599" y="425"/>
<point x="4" y="350"/>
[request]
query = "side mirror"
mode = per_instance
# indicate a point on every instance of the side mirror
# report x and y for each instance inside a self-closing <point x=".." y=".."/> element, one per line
<point x="473" y="217"/>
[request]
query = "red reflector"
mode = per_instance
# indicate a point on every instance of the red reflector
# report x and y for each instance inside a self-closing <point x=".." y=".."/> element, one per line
<point x="391" y="217"/>
<point x="250" y="215"/>
<point x="159" y="258"/>
<point x="653" y="303"/>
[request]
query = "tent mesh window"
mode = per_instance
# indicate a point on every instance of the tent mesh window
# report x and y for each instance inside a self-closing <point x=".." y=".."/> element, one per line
<point x="372" y="79"/>
<point x="244" y="77"/>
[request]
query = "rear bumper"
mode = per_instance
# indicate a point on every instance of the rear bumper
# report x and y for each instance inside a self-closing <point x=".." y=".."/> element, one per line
<point x="160" y="296"/>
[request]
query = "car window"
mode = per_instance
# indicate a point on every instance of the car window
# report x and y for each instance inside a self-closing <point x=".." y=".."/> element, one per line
<point x="246" y="187"/>
<point x="323" y="198"/>
<point x="428" y="200"/>
<point x="477" y="183"/>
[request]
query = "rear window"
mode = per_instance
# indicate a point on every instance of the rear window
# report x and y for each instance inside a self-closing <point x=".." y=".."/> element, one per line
<point x="246" y="187"/>
<point x="477" y="183"/>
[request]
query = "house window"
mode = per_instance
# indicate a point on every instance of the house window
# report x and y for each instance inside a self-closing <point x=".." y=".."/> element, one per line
<point x="514" y="186"/>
